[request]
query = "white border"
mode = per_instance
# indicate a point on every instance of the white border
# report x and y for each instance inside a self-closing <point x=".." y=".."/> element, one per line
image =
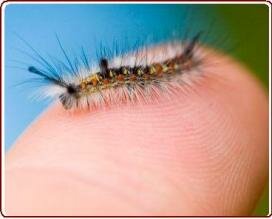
<point x="139" y="2"/>
<point x="269" y="148"/>
<point x="116" y="2"/>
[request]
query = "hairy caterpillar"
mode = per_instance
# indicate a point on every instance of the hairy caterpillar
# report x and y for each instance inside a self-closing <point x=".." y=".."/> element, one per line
<point x="126" y="78"/>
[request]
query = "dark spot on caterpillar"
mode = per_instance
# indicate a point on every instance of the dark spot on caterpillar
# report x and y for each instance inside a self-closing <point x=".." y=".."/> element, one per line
<point x="103" y="64"/>
<point x="71" y="89"/>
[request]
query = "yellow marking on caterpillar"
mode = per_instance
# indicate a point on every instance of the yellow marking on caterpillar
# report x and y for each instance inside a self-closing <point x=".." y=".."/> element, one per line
<point x="111" y="73"/>
<point x="176" y="66"/>
<point x="152" y="70"/>
<point x="125" y="71"/>
<point x="165" y="68"/>
<point x="140" y="72"/>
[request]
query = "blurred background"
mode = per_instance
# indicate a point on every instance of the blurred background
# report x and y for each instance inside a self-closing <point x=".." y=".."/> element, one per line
<point x="239" y="30"/>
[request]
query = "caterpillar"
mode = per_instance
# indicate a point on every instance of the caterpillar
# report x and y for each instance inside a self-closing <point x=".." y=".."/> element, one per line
<point x="125" y="78"/>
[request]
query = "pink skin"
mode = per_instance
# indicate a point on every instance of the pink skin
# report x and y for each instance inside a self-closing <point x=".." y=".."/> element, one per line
<point x="202" y="152"/>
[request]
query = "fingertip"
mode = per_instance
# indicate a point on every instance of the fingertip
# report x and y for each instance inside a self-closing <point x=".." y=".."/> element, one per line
<point x="210" y="145"/>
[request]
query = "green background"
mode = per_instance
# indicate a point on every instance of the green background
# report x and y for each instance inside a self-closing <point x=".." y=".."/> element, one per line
<point x="249" y="26"/>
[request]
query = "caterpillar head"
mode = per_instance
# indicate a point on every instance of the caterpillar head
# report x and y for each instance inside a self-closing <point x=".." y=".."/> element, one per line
<point x="70" y="96"/>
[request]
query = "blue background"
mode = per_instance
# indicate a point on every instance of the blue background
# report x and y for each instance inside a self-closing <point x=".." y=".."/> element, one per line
<point x="76" y="26"/>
